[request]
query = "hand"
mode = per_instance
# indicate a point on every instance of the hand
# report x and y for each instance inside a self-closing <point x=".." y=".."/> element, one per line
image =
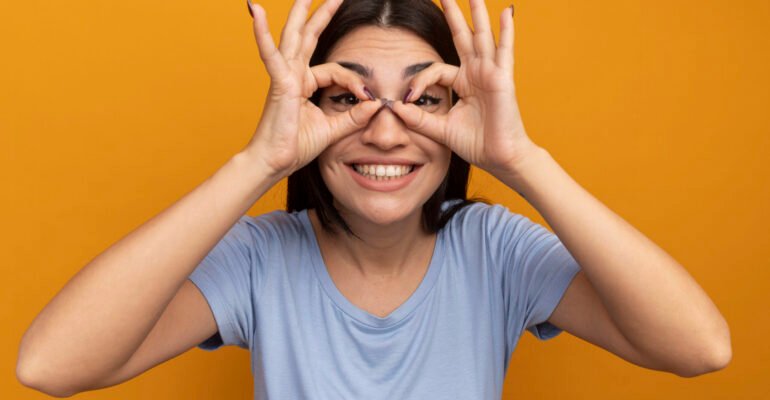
<point x="485" y="126"/>
<point x="293" y="131"/>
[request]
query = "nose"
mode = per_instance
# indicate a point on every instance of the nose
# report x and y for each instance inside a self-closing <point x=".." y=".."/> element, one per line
<point x="385" y="130"/>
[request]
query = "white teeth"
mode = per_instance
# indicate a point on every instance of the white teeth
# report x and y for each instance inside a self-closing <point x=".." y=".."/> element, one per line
<point x="383" y="172"/>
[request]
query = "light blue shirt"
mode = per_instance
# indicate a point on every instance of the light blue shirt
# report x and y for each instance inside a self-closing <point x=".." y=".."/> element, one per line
<point x="493" y="275"/>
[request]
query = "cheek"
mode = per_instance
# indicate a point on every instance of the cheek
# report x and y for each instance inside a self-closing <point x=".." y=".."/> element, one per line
<point x="332" y="181"/>
<point x="441" y="153"/>
<point x="447" y="159"/>
<point x="328" y="156"/>
<point x="324" y="167"/>
<point x="441" y="160"/>
<point x="327" y="173"/>
<point x="332" y="173"/>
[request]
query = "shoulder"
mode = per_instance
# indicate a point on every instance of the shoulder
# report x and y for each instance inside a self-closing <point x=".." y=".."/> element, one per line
<point x="481" y="217"/>
<point x="495" y="231"/>
<point x="272" y="226"/>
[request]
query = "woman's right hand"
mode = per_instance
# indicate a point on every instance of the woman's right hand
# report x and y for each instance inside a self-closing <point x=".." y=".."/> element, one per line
<point x="293" y="131"/>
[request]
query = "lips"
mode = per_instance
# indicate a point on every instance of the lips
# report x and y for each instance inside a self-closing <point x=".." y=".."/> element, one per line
<point x="383" y="184"/>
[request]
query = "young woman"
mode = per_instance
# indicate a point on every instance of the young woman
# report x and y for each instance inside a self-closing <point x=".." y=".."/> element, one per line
<point x="381" y="280"/>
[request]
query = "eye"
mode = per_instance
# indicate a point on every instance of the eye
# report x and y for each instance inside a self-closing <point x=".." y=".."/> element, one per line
<point x="427" y="100"/>
<point x="345" y="98"/>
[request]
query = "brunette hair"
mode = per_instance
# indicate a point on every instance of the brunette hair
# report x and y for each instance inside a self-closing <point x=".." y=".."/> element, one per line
<point x="306" y="188"/>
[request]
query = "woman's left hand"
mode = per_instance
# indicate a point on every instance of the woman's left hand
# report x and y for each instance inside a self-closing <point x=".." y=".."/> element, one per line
<point x="485" y="126"/>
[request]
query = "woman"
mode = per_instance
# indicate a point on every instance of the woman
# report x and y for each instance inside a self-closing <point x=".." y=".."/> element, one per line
<point x="381" y="280"/>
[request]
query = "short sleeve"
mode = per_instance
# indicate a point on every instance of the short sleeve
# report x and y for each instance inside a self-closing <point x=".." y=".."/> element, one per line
<point x="228" y="277"/>
<point x="536" y="271"/>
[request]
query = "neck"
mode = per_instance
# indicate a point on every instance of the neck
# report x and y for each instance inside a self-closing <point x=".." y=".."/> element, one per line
<point x="379" y="251"/>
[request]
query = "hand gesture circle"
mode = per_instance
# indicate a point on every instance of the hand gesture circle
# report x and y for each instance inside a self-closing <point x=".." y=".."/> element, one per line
<point x="484" y="127"/>
<point x="293" y="131"/>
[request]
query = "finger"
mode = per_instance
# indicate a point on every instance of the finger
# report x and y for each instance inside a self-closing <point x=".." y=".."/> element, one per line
<point x="504" y="56"/>
<point x="437" y="74"/>
<point x="483" y="39"/>
<point x="316" y="25"/>
<point x="270" y="55"/>
<point x="290" y="36"/>
<point x="357" y="117"/>
<point x="334" y="74"/>
<point x="431" y="125"/>
<point x="461" y="33"/>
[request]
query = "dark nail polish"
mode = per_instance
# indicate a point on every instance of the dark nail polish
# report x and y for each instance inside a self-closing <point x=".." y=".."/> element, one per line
<point x="512" y="10"/>
<point x="248" y="4"/>
<point x="409" y="93"/>
<point x="387" y="103"/>
<point x="369" y="93"/>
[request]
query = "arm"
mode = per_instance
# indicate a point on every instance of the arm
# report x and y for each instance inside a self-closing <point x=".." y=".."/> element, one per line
<point x="103" y="326"/>
<point x="630" y="297"/>
<point x="103" y="314"/>
<point x="645" y="295"/>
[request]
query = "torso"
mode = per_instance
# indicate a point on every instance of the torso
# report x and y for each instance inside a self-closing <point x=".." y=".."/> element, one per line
<point x="377" y="296"/>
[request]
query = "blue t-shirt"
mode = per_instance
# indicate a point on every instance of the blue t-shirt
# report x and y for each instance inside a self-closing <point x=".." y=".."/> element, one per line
<point x="493" y="274"/>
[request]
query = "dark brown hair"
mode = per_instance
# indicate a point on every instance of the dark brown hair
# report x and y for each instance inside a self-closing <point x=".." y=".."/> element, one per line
<point x="306" y="188"/>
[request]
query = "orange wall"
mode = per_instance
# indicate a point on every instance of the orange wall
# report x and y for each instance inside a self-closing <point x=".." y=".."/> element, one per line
<point x="111" y="111"/>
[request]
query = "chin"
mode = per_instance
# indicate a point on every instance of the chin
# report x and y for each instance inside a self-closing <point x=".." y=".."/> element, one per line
<point x="385" y="211"/>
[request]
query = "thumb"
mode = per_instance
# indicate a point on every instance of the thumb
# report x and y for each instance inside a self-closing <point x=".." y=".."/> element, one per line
<point x="357" y="117"/>
<point x="420" y="121"/>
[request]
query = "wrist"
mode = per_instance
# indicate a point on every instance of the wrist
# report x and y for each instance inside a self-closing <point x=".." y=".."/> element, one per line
<point x="259" y="170"/>
<point x="518" y="165"/>
<point x="523" y="172"/>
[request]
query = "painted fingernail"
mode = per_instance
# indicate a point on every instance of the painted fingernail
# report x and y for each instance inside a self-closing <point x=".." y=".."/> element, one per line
<point x="511" y="10"/>
<point x="248" y="4"/>
<point x="387" y="103"/>
<point x="409" y="93"/>
<point x="369" y="93"/>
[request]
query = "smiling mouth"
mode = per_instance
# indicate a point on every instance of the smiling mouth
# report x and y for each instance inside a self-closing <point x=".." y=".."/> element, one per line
<point x="379" y="172"/>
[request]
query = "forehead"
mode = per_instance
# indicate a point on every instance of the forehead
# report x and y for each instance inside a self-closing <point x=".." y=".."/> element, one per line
<point x="373" y="46"/>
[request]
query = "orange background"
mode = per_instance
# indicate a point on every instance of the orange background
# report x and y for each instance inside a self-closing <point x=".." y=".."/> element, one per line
<point x="111" y="111"/>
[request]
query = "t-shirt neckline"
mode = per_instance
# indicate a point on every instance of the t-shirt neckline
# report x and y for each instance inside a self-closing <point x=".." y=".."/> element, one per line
<point x="397" y="315"/>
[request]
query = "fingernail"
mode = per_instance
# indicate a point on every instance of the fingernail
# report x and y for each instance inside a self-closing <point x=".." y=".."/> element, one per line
<point x="409" y="93"/>
<point x="387" y="103"/>
<point x="369" y="93"/>
<point x="511" y="10"/>
<point x="248" y="4"/>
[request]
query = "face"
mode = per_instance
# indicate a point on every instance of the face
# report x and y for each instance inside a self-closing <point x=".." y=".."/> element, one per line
<point x="387" y="59"/>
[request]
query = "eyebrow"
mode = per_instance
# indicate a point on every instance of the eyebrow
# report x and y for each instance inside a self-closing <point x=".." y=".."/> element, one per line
<point x="357" y="68"/>
<point x="367" y="73"/>
<point x="414" y="69"/>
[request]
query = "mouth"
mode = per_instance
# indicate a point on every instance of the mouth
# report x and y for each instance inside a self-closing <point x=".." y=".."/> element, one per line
<point x="384" y="172"/>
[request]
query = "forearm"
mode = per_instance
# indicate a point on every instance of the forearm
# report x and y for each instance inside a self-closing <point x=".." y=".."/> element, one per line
<point x="653" y="301"/>
<point x="103" y="314"/>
